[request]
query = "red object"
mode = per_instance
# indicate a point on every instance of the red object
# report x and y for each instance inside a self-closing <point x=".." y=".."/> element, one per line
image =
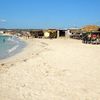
<point x="93" y="36"/>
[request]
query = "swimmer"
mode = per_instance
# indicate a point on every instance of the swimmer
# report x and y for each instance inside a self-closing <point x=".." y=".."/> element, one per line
<point x="4" y="40"/>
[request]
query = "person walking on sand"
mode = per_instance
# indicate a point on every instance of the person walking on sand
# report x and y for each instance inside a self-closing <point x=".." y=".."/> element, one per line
<point x="89" y="38"/>
<point x="85" y="38"/>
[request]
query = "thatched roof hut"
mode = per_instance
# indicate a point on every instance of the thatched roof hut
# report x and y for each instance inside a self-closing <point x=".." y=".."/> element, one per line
<point x="90" y="28"/>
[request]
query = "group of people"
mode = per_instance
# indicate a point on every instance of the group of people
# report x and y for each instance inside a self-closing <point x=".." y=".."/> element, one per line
<point x="91" y="38"/>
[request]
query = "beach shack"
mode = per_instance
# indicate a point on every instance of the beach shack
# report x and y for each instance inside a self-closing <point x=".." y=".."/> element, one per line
<point x="91" y="34"/>
<point x="50" y="33"/>
<point x="37" y="33"/>
<point x="75" y="33"/>
<point x="53" y="33"/>
<point x="56" y="33"/>
<point x="1" y="32"/>
<point x="63" y="33"/>
<point x="91" y="37"/>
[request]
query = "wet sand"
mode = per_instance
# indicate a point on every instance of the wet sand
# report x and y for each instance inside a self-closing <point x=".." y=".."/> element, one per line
<point x="59" y="69"/>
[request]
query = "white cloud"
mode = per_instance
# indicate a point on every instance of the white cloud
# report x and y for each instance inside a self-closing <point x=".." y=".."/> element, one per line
<point x="2" y="20"/>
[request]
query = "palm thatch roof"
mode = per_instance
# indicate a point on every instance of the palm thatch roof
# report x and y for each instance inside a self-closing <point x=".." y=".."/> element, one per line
<point x="90" y="28"/>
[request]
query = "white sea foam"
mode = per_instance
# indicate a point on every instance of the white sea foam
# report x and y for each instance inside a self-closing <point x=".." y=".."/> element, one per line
<point x="12" y="49"/>
<point x="13" y="39"/>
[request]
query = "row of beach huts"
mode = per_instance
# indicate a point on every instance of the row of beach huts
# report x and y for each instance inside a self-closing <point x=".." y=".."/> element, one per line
<point x="88" y="34"/>
<point x="41" y="33"/>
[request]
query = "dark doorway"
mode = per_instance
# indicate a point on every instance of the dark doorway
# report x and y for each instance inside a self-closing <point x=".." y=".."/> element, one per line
<point x="61" y="33"/>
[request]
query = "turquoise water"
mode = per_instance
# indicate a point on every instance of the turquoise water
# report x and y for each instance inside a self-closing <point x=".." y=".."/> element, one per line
<point x="10" y="45"/>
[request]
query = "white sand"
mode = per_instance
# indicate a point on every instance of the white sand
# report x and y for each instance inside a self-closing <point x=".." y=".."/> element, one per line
<point x="57" y="69"/>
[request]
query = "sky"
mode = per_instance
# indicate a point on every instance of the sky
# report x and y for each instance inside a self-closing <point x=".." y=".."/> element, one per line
<point x="42" y="14"/>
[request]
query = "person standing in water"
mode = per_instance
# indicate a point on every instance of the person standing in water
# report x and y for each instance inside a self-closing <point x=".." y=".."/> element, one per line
<point x="4" y="40"/>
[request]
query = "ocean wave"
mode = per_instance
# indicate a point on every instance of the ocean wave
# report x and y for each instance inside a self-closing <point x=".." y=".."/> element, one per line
<point x="13" y="39"/>
<point x="13" y="49"/>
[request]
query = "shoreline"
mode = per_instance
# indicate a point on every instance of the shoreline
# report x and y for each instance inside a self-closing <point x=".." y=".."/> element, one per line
<point x="39" y="44"/>
<point x="18" y="47"/>
<point x="52" y="69"/>
<point x="25" y="52"/>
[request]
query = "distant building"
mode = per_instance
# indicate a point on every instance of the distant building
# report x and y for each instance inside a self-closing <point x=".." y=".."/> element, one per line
<point x="9" y="32"/>
<point x="37" y="33"/>
<point x="51" y="33"/>
<point x="1" y="32"/>
<point x="75" y="33"/>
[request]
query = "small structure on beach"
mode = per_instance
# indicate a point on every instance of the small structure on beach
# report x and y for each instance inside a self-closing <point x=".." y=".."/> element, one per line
<point x="91" y="34"/>
<point x="37" y="33"/>
<point x="90" y="28"/>
<point x="76" y="33"/>
<point x="91" y="37"/>
<point x="1" y="32"/>
<point x="57" y="33"/>
<point x="50" y="33"/>
<point x="9" y="32"/>
<point x="25" y="34"/>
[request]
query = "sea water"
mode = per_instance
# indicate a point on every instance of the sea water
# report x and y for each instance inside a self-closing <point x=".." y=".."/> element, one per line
<point x="10" y="45"/>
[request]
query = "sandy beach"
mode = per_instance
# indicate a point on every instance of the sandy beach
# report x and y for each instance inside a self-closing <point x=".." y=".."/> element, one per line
<point x="52" y="69"/>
